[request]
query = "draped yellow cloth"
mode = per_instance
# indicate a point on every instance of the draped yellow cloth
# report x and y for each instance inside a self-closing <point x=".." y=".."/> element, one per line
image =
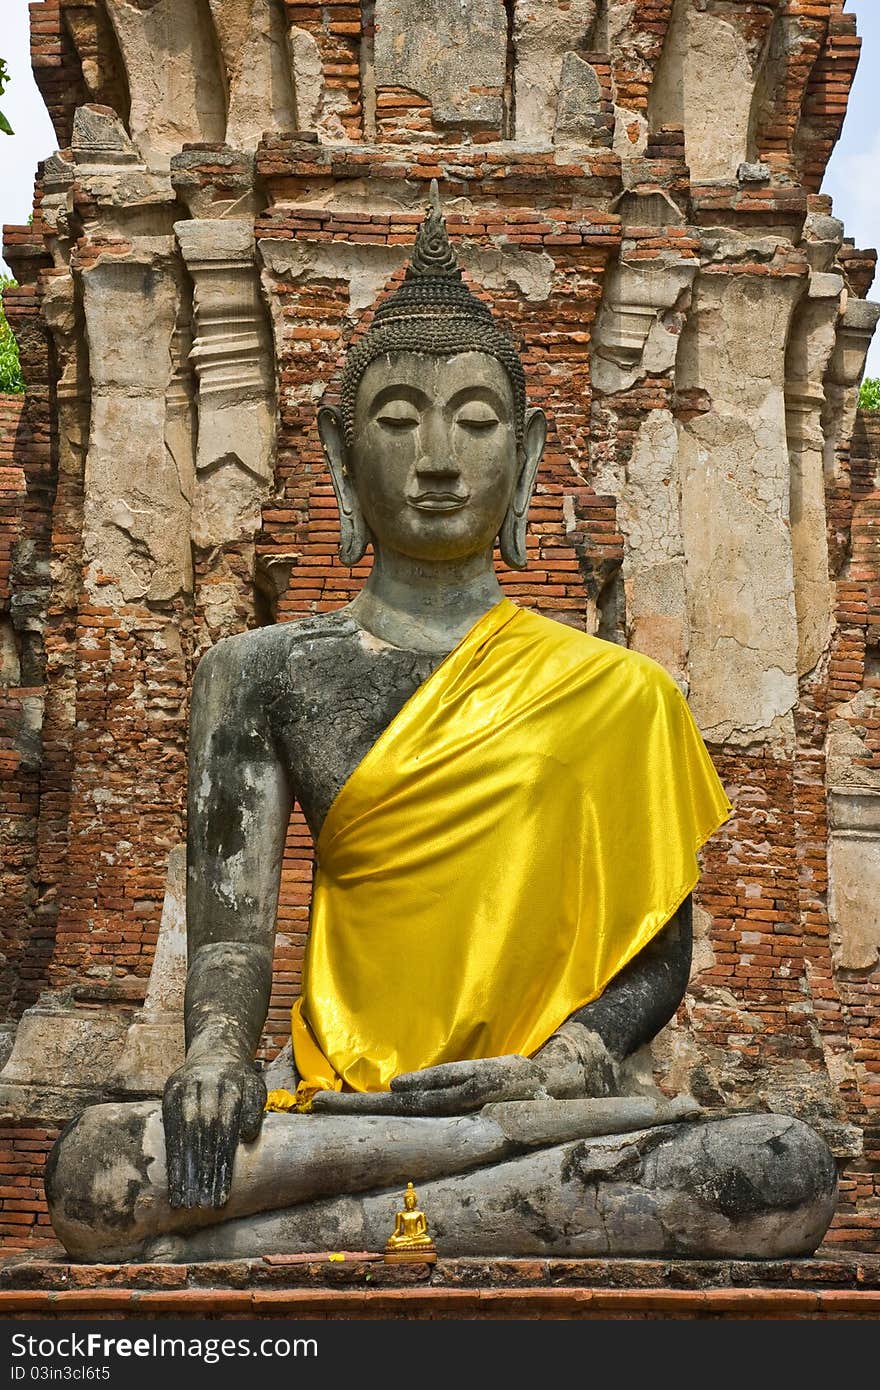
<point x="523" y="827"/>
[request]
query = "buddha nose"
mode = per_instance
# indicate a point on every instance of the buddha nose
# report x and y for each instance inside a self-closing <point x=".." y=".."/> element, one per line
<point x="436" y="458"/>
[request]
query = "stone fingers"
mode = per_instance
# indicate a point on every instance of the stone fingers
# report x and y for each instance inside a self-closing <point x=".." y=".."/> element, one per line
<point x="452" y="1088"/>
<point x="209" y="1135"/>
<point x="227" y="1104"/>
<point x="363" y="1103"/>
<point x="186" y="1112"/>
<point x="208" y="1106"/>
<point x="252" y="1106"/>
<point x="198" y="1137"/>
<point x="172" y="1117"/>
<point x="192" y="1143"/>
<point x="434" y="1078"/>
<point x="445" y="1101"/>
<point x="452" y="1100"/>
<point x="487" y="1072"/>
<point x="229" y="1120"/>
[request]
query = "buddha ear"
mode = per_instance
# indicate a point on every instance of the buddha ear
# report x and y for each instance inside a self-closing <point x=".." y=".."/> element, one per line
<point x="512" y="538"/>
<point x="353" y="534"/>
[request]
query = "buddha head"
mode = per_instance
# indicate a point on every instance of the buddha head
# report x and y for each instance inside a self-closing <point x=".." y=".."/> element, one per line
<point x="433" y="452"/>
<point x="409" y="1197"/>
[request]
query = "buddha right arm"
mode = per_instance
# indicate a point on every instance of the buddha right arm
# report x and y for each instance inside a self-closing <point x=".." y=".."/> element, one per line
<point x="239" y="806"/>
<point x="629" y="1012"/>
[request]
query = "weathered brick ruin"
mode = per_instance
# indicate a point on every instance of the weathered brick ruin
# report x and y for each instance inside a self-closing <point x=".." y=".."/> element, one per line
<point x="634" y="184"/>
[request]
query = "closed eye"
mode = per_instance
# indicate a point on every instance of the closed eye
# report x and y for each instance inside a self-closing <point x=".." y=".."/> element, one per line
<point x="477" y="423"/>
<point x="399" y="422"/>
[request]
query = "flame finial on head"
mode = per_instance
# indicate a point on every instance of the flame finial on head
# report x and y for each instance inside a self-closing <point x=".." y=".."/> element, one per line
<point x="433" y="253"/>
<point x="434" y="313"/>
<point x="433" y="284"/>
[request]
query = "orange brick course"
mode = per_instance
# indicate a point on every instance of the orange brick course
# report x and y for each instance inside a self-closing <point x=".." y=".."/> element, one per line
<point x="363" y="1286"/>
<point x="90" y="822"/>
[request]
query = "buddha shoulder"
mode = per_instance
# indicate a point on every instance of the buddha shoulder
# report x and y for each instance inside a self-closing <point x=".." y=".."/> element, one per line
<point x="258" y="663"/>
<point x="574" y="648"/>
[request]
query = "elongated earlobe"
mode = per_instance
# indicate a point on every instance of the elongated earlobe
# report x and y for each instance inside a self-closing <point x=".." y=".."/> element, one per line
<point x="354" y="536"/>
<point x="512" y="538"/>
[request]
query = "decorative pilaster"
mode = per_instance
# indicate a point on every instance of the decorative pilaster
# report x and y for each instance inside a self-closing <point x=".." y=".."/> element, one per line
<point x="736" y="499"/>
<point x="637" y="337"/>
<point x="853" y="779"/>
<point x="845" y="372"/>
<point x="811" y="345"/>
<point x="632" y="337"/>
<point x="234" y="365"/>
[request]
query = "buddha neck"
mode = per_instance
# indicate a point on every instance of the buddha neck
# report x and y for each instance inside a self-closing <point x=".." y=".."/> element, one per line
<point x="425" y="606"/>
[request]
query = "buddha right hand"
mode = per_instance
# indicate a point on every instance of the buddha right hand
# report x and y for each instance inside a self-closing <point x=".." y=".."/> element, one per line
<point x="575" y="1063"/>
<point x="210" y="1103"/>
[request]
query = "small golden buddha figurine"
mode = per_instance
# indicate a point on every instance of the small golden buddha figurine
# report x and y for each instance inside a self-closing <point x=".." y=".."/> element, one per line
<point x="410" y="1239"/>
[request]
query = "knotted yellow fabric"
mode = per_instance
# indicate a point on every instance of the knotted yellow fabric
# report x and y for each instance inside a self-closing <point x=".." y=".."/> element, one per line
<point x="517" y="834"/>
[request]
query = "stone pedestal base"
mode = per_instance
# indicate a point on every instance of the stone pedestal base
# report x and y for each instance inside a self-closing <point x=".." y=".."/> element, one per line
<point x="364" y="1286"/>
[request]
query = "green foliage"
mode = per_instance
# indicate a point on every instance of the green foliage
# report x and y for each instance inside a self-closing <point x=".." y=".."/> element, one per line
<point x="869" y="396"/>
<point x="4" y="79"/>
<point x="10" y="367"/>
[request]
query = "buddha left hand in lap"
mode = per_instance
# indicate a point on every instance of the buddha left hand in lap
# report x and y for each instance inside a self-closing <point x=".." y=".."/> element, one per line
<point x="505" y="813"/>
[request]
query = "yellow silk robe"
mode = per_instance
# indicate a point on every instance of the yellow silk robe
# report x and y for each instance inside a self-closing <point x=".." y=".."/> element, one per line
<point x="523" y="827"/>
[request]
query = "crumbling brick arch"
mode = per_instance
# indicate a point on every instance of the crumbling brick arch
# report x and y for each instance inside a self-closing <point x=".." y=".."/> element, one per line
<point x="707" y="81"/>
<point x="175" y="74"/>
<point x="103" y="70"/>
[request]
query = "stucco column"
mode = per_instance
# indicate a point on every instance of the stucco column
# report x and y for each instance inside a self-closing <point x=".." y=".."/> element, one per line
<point x="637" y="336"/>
<point x="735" y="483"/>
<point x="853" y="783"/>
<point x="234" y="365"/>
<point x="812" y="343"/>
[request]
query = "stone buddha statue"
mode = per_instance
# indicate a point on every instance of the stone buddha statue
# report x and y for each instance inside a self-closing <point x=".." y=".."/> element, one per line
<point x="506" y="814"/>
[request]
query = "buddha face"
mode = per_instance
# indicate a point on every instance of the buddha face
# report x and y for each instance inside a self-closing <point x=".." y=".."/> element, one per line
<point x="434" y="468"/>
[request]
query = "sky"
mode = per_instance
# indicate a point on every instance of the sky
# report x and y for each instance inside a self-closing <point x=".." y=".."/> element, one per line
<point x="853" y="177"/>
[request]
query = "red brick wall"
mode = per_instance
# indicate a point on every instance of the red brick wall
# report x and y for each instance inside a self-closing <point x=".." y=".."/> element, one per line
<point x="639" y="52"/>
<point x="336" y="29"/>
<point x="827" y="93"/>
<point x="24" y="1219"/>
<point x="57" y="67"/>
<point x="18" y="802"/>
<point x="12" y="488"/>
<point x="27" y="429"/>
